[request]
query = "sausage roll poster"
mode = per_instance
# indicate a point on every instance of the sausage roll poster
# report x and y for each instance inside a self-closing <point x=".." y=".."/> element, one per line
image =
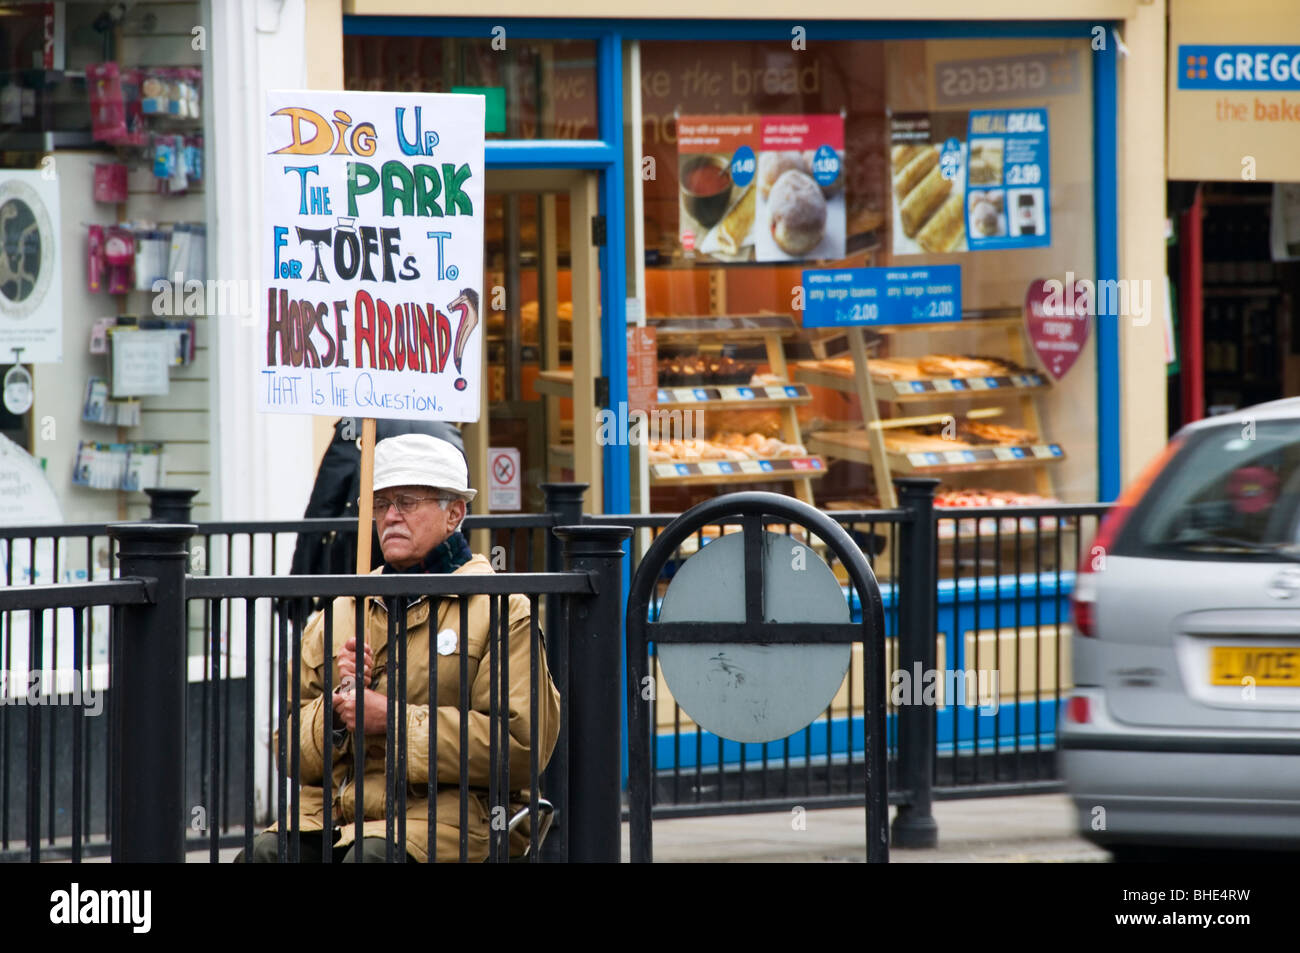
<point x="968" y="181"/>
<point x="761" y="188"/>
<point x="373" y="254"/>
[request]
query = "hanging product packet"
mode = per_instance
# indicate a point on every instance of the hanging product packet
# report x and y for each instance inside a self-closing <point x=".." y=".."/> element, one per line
<point x="107" y="107"/>
<point x="119" y="257"/>
<point x="110" y="182"/>
<point x="95" y="264"/>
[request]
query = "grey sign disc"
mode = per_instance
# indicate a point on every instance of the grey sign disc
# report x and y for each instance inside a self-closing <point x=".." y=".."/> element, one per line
<point x="754" y="693"/>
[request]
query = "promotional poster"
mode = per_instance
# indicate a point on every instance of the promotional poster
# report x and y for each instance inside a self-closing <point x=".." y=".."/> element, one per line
<point x="761" y="188"/>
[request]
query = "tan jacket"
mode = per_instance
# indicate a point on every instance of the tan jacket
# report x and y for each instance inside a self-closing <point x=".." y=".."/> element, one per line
<point x="314" y="707"/>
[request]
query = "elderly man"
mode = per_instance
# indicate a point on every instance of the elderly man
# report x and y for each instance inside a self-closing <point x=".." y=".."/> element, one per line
<point x="420" y="492"/>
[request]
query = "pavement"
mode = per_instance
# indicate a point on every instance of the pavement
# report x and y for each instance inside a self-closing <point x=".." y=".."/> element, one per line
<point x="1037" y="828"/>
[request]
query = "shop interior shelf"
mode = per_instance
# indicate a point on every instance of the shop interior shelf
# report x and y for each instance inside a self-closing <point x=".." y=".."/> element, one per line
<point x="926" y="388"/>
<point x="722" y="328"/>
<point x="973" y="320"/>
<point x="733" y="397"/>
<point x="934" y="388"/>
<point x="853" y="445"/>
<point x="734" y="471"/>
<point x="556" y="383"/>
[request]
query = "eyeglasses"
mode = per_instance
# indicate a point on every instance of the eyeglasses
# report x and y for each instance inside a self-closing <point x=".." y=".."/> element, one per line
<point x="405" y="504"/>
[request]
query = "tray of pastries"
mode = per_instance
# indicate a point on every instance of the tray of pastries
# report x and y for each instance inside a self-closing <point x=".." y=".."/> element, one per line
<point x="732" y="445"/>
<point x="968" y="434"/>
<point x="701" y="370"/>
<point x="972" y="498"/>
<point x="941" y="366"/>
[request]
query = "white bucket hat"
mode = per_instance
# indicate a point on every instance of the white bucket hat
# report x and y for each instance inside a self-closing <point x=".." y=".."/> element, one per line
<point x="416" y="459"/>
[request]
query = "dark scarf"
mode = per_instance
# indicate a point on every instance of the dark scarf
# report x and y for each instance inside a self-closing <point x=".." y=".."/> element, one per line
<point x="447" y="556"/>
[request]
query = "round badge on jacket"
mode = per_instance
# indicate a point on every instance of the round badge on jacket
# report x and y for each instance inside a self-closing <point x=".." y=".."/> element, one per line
<point x="446" y="642"/>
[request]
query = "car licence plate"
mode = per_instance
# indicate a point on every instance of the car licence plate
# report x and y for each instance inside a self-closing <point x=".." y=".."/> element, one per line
<point x="1269" y="665"/>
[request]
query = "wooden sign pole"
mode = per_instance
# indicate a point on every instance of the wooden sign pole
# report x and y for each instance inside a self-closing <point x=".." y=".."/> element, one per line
<point x="365" y="514"/>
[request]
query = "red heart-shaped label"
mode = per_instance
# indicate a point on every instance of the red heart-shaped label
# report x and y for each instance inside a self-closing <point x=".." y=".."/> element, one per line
<point x="1057" y="320"/>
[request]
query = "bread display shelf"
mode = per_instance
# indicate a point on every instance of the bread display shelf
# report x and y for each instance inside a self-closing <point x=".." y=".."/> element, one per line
<point x="931" y="388"/>
<point x="722" y="328"/>
<point x="970" y="322"/>
<point x="737" y="471"/>
<point x="925" y="388"/>
<point x="853" y="445"/>
<point x="733" y="397"/>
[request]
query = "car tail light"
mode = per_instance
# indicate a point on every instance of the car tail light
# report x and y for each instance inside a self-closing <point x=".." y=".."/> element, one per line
<point x="1078" y="710"/>
<point x="1093" y="559"/>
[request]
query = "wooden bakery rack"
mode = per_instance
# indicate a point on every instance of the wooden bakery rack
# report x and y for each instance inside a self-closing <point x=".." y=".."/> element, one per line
<point x="781" y="393"/>
<point x="867" y="445"/>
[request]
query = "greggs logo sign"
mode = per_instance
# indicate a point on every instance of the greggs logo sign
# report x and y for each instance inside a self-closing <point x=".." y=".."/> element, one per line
<point x="1260" y="68"/>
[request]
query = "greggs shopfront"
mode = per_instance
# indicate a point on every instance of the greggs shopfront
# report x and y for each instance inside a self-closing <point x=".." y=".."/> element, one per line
<point x="800" y="255"/>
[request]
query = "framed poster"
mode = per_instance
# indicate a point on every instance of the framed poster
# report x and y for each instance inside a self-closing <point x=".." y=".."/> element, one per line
<point x="31" y="292"/>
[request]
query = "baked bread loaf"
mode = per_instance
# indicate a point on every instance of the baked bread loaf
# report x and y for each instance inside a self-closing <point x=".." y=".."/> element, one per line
<point x="894" y="368"/>
<point x="957" y="365"/>
<point x="1000" y="433"/>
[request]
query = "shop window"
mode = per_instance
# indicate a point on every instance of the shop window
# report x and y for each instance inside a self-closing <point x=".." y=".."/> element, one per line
<point x="535" y="89"/>
<point x="761" y="163"/>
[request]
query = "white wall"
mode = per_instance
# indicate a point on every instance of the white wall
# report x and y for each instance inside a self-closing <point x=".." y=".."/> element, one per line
<point x="264" y="467"/>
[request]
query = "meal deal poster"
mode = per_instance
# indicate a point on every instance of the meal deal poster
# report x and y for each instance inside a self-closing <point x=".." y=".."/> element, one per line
<point x="969" y="181"/>
<point x="761" y="188"/>
<point x="373" y="251"/>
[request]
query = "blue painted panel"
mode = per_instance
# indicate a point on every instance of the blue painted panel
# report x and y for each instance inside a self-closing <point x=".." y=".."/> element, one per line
<point x="549" y="154"/>
<point x="557" y="28"/>
<point x="1006" y="739"/>
<point x="1105" y="93"/>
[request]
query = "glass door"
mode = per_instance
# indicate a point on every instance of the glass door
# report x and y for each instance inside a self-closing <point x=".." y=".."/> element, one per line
<point x="541" y="299"/>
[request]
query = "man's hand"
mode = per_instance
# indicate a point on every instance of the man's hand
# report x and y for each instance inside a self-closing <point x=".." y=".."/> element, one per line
<point x="345" y="708"/>
<point x="348" y="664"/>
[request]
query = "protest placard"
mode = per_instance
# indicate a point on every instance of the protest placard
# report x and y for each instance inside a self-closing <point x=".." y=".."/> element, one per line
<point x="373" y="260"/>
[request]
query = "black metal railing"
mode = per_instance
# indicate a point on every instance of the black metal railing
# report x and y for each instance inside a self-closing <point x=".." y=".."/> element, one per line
<point x="698" y="773"/>
<point x="149" y="813"/>
<point x="760" y="586"/>
<point x="992" y="585"/>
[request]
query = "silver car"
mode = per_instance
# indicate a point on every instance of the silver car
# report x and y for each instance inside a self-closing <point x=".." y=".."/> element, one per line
<point x="1184" y="726"/>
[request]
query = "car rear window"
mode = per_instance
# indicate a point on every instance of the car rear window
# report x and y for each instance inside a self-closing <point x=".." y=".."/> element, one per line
<point x="1232" y="493"/>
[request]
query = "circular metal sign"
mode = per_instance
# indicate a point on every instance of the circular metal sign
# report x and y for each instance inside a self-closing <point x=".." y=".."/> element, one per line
<point x="752" y="692"/>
